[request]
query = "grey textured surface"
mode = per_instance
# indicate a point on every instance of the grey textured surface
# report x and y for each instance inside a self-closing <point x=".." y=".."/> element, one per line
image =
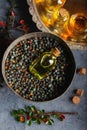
<point x="9" y="101"/>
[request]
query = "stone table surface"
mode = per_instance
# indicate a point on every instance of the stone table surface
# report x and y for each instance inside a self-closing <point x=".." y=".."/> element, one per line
<point x="9" y="101"/>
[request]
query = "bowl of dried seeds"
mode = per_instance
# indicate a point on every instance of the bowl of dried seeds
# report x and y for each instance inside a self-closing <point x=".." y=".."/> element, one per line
<point x="21" y="53"/>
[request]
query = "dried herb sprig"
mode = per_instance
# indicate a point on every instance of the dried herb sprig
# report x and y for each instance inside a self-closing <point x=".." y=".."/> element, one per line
<point x="11" y="23"/>
<point x="31" y="114"/>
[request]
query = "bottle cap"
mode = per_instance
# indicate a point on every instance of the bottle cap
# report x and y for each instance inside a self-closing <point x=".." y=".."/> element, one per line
<point x="56" y="51"/>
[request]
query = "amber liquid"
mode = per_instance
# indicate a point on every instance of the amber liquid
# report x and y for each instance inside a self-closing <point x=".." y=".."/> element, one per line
<point x="48" y="10"/>
<point x="65" y="18"/>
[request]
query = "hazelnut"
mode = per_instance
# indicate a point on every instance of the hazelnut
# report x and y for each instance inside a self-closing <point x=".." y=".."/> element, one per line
<point x="80" y="92"/>
<point x="81" y="71"/>
<point x="76" y="100"/>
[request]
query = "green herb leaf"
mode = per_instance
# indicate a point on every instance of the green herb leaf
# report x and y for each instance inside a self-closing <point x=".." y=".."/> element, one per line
<point x="55" y="116"/>
<point x="58" y="117"/>
<point x="47" y="122"/>
<point x="14" y="113"/>
<point x="39" y="121"/>
<point x="21" y="111"/>
<point x="43" y="111"/>
<point x="34" y="119"/>
<point x="50" y="122"/>
<point x="28" y="108"/>
<point x="33" y="108"/>
<point x="17" y="118"/>
<point x="45" y="116"/>
<point x="29" y="122"/>
<point x="31" y="114"/>
<point x="39" y="112"/>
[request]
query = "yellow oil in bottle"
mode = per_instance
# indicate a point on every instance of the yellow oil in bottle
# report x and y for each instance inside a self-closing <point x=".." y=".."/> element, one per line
<point x="45" y="63"/>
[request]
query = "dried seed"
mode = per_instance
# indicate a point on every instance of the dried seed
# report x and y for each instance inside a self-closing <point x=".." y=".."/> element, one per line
<point x="76" y="100"/>
<point x="81" y="71"/>
<point x="80" y="92"/>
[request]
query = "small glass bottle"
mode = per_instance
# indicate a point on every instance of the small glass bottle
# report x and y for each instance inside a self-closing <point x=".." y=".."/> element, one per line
<point x="78" y="23"/>
<point x="77" y="27"/>
<point x="45" y="63"/>
<point x="47" y="8"/>
<point x="62" y="18"/>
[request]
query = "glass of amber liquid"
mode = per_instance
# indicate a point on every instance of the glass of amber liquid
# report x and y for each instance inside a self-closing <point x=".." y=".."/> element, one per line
<point x="66" y="18"/>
